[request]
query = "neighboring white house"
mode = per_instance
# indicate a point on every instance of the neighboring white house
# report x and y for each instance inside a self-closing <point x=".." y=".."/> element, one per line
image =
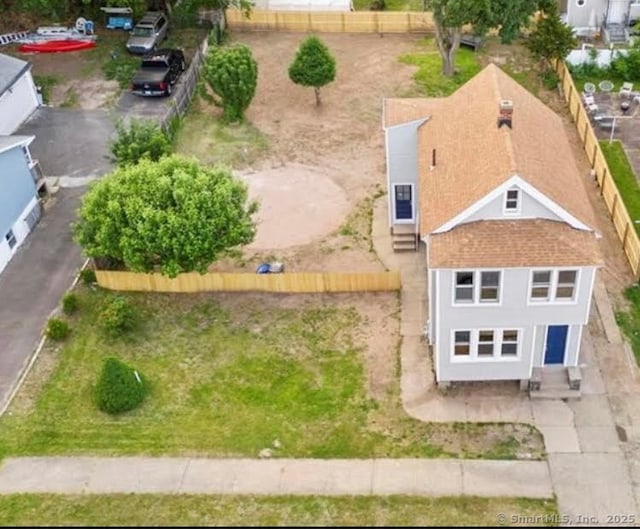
<point x="486" y="178"/>
<point x="304" y="5"/>
<point x="591" y="17"/>
<point x="18" y="94"/>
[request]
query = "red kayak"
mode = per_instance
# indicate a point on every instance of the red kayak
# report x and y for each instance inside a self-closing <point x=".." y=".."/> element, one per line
<point x="53" y="46"/>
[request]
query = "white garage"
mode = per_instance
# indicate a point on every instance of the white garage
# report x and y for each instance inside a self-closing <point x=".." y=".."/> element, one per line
<point x="18" y="93"/>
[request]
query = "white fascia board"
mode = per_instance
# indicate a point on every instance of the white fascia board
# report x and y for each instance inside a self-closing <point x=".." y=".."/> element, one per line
<point x="501" y="189"/>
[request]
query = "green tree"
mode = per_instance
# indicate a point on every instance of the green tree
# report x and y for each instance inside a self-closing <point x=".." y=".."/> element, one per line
<point x="450" y="16"/>
<point x="120" y="388"/>
<point x="172" y="215"/>
<point x="313" y="65"/>
<point x="140" y="139"/>
<point x="551" y="39"/>
<point x="232" y="74"/>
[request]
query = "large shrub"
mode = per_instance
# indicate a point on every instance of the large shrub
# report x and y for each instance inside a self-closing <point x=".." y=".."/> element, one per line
<point x="117" y="316"/>
<point x="120" y="388"/>
<point x="232" y="74"/>
<point x="172" y="215"/>
<point x="140" y="139"/>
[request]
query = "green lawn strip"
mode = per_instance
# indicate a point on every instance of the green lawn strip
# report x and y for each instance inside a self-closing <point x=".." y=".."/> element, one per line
<point x="206" y="137"/>
<point x="208" y="510"/>
<point x="429" y="74"/>
<point x="629" y="321"/>
<point x="228" y="382"/>
<point x="624" y="177"/>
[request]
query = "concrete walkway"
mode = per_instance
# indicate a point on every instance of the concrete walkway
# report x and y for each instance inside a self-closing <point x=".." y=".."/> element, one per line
<point x="91" y="475"/>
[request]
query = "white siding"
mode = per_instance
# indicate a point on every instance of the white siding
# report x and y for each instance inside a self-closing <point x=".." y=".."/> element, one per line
<point x="20" y="230"/>
<point x="512" y="312"/>
<point x="17" y="103"/>
<point x="402" y="160"/>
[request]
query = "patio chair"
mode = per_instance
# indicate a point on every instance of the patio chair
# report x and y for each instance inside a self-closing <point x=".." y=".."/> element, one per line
<point x="626" y="89"/>
<point x="590" y="103"/>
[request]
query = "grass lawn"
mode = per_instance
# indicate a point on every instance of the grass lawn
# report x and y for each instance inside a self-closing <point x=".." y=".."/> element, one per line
<point x="624" y="177"/>
<point x="229" y="375"/>
<point x="429" y="76"/>
<point x="197" y="510"/>
<point x="206" y="137"/>
<point x="629" y="322"/>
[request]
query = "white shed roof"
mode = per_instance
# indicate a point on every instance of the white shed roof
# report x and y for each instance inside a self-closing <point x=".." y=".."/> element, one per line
<point x="10" y="70"/>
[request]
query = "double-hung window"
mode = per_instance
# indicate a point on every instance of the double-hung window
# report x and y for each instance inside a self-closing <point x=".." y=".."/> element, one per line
<point x="464" y="287"/>
<point x="477" y="287"/>
<point x="486" y="344"/>
<point x="553" y="285"/>
<point x="512" y="201"/>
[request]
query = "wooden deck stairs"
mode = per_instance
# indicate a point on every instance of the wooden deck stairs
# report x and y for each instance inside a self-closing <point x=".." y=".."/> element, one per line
<point x="404" y="238"/>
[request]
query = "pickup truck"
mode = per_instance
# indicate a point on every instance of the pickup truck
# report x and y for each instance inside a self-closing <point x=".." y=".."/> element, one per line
<point x="158" y="72"/>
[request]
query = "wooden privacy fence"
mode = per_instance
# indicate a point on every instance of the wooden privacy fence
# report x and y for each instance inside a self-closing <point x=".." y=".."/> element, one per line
<point x="623" y="223"/>
<point x="333" y="21"/>
<point x="243" y="282"/>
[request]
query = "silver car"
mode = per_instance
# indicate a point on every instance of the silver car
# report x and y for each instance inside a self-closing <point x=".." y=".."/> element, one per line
<point x="150" y="31"/>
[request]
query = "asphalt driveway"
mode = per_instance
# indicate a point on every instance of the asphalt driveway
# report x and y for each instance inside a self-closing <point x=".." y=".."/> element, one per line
<point x="70" y="144"/>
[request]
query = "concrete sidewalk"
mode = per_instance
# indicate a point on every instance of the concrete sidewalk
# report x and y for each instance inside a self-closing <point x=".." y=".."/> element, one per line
<point x="333" y="477"/>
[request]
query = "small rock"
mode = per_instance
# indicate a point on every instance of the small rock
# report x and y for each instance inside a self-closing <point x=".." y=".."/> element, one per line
<point x="276" y="443"/>
<point x="265" y="453"/>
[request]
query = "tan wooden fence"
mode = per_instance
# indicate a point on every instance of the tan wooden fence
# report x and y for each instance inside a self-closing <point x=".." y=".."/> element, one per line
<point x="243" y="282"/>
<point x="333" y="22"/>
<point x="623" y="223"/>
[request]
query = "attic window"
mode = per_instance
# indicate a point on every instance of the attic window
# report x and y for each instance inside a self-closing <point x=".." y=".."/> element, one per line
<point x="512" y="201"/>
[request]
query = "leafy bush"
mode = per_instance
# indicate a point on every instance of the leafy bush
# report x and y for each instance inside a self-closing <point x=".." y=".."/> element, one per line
<point x="69" y="303"/>
<point x="377" y="5"/>
<point x="627" y="66"/>
<point x="57" y="329"/>
<point x="120" y="388"/>
<point x="88" y="276"/>
<point x="141" y="139"/>
<point x="117" y="316"/>
<point x="232" y="74"/>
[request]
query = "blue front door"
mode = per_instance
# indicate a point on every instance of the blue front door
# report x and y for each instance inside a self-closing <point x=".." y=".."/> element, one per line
<point x="403" y="199"/>
<point x="556" y="344"/>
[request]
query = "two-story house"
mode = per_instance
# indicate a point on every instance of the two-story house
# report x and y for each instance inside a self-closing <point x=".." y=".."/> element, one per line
<point x="487" y="180"/>
<point x="21" y="181"/>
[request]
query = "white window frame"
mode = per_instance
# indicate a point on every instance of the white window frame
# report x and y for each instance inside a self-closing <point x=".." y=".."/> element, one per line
<point x="498" y="341"/>
<point x="471" y="287"/>
<point x="505" y="205"/>
<point x="477" y="288"/>
<point x="455" y="343"/>
<point x="553" y="298"/>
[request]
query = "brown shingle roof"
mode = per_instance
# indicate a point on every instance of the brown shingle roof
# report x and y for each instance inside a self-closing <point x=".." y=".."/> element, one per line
<point x="474" y="156"/>
<point x="513" y="243"/>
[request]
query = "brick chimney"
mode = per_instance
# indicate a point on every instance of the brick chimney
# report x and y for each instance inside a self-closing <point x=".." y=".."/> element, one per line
<point x="505" y="115"/>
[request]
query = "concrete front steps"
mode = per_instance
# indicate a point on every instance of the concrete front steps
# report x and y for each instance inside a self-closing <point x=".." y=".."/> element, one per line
<point x="553" y="383"/>
<point x="404" y="238"/>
